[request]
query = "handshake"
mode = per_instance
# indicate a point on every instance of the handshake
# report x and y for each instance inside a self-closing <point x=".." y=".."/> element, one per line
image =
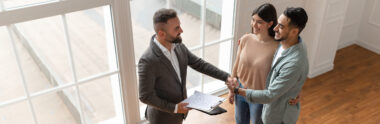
<point x="233" y="86"/>
<point x="231" y="83"/>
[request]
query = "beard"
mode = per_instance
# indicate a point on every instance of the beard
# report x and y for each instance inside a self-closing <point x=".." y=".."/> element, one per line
<point x="279" y="39"/>
<point x="177" y="40"/>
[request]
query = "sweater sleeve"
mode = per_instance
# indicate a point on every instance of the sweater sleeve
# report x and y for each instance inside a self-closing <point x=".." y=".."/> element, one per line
<point x="237" y="60"/>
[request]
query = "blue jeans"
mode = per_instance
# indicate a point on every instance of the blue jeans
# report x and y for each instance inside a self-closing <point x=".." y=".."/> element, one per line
<point x="245" y="111"/>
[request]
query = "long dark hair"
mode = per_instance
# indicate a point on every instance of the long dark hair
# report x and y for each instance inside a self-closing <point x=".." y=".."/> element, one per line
<point x="268" y="13"/>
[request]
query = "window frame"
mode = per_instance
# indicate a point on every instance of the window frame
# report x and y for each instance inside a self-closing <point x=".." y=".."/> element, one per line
<point x="121" y="25"/>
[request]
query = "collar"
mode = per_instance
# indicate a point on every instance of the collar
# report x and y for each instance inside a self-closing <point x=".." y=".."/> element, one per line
<point x="294" y="47"/>
<point x="163" y="49"/>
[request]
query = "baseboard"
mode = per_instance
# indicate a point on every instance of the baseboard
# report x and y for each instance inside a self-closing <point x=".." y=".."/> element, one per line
<point x="368" y="46"/>
<point x="346" y="44"/>
<point x="323" y="68"/>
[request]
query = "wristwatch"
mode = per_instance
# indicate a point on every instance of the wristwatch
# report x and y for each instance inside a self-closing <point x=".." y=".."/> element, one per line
<point x="236" y="90"/>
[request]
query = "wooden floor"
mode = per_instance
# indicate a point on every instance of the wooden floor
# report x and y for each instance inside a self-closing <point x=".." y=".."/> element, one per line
<point x="350" y="94"/>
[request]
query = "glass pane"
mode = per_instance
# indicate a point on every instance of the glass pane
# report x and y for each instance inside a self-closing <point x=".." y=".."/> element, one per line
<point x="11" y="85"/>
<point x="213" y="19"/>
<point x="189" y="15"/>
<point x="55" y="108"/>
<point x="45" y="60"/>
<point x="20" y="3"/>
<point x="212" y="56"/>
<point x="101" y="100"/>
<point x="46" y="37"/>
<point x="142" y="23"/>
<point x="92" y="41"/>
<point x="193" y="78"/>
<point x="36" y="75"/>
<point x="219" y="19"/>
<point x="18" y="113"/>
<point x="219" y="56"/>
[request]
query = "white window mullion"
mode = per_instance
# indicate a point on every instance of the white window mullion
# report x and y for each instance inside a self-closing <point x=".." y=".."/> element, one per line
<point x="60" y="87"/>
<point x="20" y="69"/>
<point x="72" y="65"/>
<point x="203" y="27"/>
<point x="122" y="27"/>
<point x="13" y="101"/>
<point x="46" y="10"/>
<point x="168" y="4"/>
<point x="22" y="74"/>
<point x="227" y="29"/>
<point x="215" y="42"/>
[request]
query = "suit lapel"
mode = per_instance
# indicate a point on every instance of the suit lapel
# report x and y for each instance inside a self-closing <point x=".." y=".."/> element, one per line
<point x="182" y="67"/>
<point x="181" y="63"/>
<point x="163" y="58"/>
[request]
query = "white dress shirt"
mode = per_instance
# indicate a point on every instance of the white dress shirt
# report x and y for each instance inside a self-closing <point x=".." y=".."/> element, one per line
<point x="278" y="55"/>
<point x="173" y="60"/>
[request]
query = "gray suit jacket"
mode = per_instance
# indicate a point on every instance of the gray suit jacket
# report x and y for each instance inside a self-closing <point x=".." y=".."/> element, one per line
<point x="159" y="85"/>
<point x="284" y="82"/>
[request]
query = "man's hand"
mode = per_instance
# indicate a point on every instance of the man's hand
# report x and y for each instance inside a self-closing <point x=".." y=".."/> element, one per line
<point x="296" y="100"/>
<point x="231" y="83"/>
<point x="182" y="108"/>
<point x="231" y="97"/>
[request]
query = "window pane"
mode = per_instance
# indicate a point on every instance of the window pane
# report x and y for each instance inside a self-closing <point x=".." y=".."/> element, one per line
<point x="93" y="53"/>
<point x="11" y="85"/>
<point x="55" y="108"/>
<point x="218" y="55"/>
<point x="18" y="113"/>
<point x="19" y="3"/>
<point x="46" y="37"/>
<point x="36" y="76"/>
<point x="189" y="15"/>
<point x="219" y="19"/>
<point x="46" y="51"/>
<point x="142" y="23"/>
<point x="193" y="78"/>
<point x="100" y="100"/>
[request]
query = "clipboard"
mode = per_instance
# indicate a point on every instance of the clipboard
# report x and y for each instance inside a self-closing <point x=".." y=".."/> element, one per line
<point x="205" y="103"/>
<point x="216" y="111"/>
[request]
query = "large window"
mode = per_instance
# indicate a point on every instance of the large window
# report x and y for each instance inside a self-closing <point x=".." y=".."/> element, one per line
<point x="74" y="61"/>
<point x="66" y="62"/>
<point x="208" y="33"/>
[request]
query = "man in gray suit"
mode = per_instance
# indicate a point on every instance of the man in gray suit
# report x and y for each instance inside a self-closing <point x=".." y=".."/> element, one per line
<point x="162" y="71"/>
<point x="288" y="72"/>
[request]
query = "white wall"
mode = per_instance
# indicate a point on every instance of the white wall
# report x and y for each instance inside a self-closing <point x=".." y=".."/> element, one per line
<point x="369" y="30"/>
<point x="350" y="32"/>
<point x="322" y="33"/>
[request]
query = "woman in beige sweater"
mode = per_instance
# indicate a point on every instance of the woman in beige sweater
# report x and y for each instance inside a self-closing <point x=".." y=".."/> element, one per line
<point x="253" y="61"/>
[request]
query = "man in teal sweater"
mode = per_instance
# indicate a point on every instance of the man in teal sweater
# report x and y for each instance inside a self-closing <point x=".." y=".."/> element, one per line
<point x="288" y="72"/>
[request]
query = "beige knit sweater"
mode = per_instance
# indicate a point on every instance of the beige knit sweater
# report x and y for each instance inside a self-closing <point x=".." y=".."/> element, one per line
<point x="253" y="61"/>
